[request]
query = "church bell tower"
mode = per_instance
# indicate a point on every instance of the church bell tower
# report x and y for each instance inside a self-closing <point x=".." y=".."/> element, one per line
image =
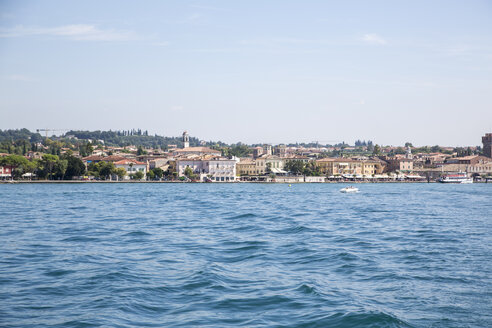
<point x="186" y="139"/>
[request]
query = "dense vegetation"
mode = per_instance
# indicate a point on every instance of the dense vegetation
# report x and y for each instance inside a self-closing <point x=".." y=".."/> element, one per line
<point x="131" y="137"/>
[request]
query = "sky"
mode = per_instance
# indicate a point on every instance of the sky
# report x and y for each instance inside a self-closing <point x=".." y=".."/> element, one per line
<point x="251" y="71"/>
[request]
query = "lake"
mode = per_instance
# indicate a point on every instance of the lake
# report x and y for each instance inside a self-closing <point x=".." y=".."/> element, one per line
<point x="245" y="255"/>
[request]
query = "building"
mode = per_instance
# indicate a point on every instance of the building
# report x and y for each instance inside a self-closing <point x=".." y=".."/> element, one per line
<point x="487" y="145"/>
<point x="217" y="169"/>
<point x="5" y="172"/>
<point x="473" y="159"/>
<point x="270" y="163"/>
<point x="339" y="166"/>
<point x="197" y="151"/>
<point x="131" y="166"/>
<point x="246" y="166"/>
<point x="186" y="140"/>
<point x="267" y="149"/>
<point x="281" y="150"/>
<point x="257" y="152"/>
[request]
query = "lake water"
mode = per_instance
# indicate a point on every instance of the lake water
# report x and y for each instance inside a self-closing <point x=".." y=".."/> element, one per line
<point x="248" y="255"/>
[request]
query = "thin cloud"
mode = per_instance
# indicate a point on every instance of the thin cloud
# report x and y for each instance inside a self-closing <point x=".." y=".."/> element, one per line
<point x="78" y="32"/>
<point x="283" y="40"/>
<point x="20" y="77"/>
<point x="374" y="39"/>
<point x="177" y="108"/>
<point x="196" y="6"/>
<point x="160" y="44"/>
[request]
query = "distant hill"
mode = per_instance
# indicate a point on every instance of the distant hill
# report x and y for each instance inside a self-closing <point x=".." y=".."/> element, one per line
<point x="18" y="135"/>
<point x="131" y="137"/>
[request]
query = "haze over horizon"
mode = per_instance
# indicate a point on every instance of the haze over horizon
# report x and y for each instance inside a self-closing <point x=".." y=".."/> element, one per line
<point x="272" y="72"/>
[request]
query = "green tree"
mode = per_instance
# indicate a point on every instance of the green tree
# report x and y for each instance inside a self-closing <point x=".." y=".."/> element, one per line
<point x="120" y="172"/>
<point x="48" y="162"/>
<point x="75" y="166"/>
<point x="377" y="150"/>
<point x="106" y="169"/>
<point x="268" y="168"/>
<point x="14" y="162"/>
<point x="141" y="151"/>
<point x="436" y="149"/>
<point x="151" y="175"/>
<point x="296" y="167"/>
<point x="158" y="172"/>
<point x="188" y="172"/>
<point x="139" y="175"/>
<point x="89" y="149"/>
<point x="60" y="168"/>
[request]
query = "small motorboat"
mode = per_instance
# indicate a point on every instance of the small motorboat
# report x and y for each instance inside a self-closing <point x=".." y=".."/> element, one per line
<point x="349" y="189"/>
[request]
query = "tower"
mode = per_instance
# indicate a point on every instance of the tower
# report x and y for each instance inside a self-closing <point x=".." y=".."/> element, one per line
<point x="186" y="139"/>
<point x="409" y="155"/>
<point x="487" y="145"/>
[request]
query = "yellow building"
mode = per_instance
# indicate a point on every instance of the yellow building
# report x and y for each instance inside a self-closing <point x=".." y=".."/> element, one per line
<point x="246" y="166"/>
<point x="347" y="166"/>
<point x="276" y="164"/>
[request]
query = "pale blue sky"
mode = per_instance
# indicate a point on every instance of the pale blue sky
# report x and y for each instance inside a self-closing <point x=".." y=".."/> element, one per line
<point x="251" y="71"/>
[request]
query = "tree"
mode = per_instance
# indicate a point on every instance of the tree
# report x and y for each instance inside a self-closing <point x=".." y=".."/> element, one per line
<point x="151" y="175"/>
<point x="188" y="172"/>
<point x="311" y="169"/>
<point x="268" y="168"/>
<point x="158" y="172"/>
<point x="296" y="167"/>
<point x="106" y="169"/>
<point x="376" y="151"/>
<point x="48" y="162"/>
<point x="139" y="175"/>
<point x="14" y="162"/>
<point x="408" y="144"/>
<point x="60" y="168"/>
<point x="436" y="149"/>
<point x="239" y="150"/>
<point x="89" y="149"/>
<point x="141" y="151"/>
<point x="120" y="172"/>
<point x="75" y="166"/>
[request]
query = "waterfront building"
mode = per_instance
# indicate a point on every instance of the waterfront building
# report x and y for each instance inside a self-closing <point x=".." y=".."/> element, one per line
<point x="275" y="163"/>
<point x="487" y="145"/>
<point x="399" y="163"/>
<point x="5" y="172"/>
<point x="215" y="168"/>
<point x="340" y="166"/>
<point x="131" y="166"/>
<point x="246" y="166"/>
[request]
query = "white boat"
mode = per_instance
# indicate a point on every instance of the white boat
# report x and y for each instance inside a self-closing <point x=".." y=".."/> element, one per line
<point x="460" y="177"/>
<point x="349" y="189"/>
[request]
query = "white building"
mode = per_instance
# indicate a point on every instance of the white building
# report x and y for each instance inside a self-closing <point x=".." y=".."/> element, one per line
<point x="218" y="169"/>
<point x="131" y="166"/>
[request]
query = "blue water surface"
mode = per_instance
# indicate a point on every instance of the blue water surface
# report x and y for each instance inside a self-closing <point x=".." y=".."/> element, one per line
<point x="245" y="255"/>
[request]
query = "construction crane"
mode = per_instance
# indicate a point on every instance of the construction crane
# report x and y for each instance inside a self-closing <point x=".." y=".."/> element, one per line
<point x="48" y="130"/>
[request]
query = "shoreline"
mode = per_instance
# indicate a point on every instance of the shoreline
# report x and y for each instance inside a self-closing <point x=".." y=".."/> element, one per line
<point x="182" y="182"/>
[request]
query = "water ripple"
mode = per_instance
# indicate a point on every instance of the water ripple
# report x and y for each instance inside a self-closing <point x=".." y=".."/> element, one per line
<point x="245" y="255"/>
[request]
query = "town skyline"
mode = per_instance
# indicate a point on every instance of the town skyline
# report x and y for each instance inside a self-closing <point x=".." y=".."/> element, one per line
<point x="60" y="133"/>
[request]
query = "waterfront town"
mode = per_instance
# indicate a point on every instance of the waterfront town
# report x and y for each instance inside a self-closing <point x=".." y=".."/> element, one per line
<point x="49" y="159"/>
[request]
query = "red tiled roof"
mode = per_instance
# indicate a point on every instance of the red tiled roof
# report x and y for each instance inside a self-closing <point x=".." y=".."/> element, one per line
<point x="128" y="161"/>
